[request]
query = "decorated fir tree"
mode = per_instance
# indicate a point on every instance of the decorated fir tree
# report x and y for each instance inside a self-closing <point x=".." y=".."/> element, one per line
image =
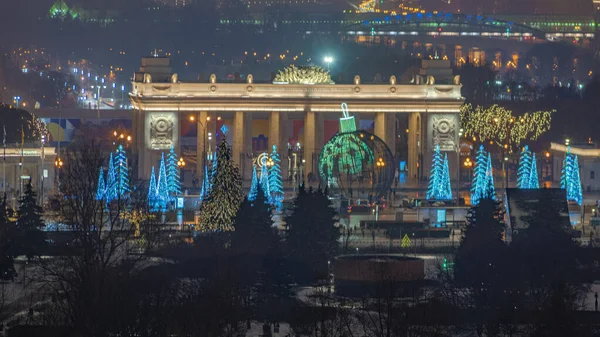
<point x="162" y="192"/>
<point x="101" y="189"/>
<point x="479" y="175"/>
<point x="275" y="180"/>
<point x="254" y="186"/>
<point x="111" y="180"/>
<point x="122" y="172"/>
<point x="220" y="206"/>
<point x="436" y="175"/>
<point x="173" y="176"/>
<point x="574" y="192"/>
<point x="523" y="173"/>
<point x="533" y="174"/>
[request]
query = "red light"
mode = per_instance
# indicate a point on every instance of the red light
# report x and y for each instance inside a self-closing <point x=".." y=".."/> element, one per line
<point x="439" y="29"/>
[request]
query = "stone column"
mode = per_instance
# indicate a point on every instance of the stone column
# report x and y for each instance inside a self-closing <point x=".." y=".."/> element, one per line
<point x="414" y="144"/>
<point x="310" y="132"/>
<point x="275" y="130"/>
<point x="201" y="144"/>
<point x="246" y="168"/>
<point x="239" y="131"/>
<point x="385" y="128"/>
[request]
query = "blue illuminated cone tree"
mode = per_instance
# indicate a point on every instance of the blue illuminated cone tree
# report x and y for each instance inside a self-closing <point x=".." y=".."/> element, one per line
<point x="173" y="176"/>
<point x="567" y="168"/>
<point x="264" y="181"/>
<point x="574" y="192"/>
<point x="275" y="180"/>
<point x="533" y="174"/>
<point x="253" y="185"/>
<point x="122" y="172"/>
<point x="523" y="173"/>
<point x="111" y="180"/>
<point x="437" y="184"/>
<point x="101" y="189"/>
<point x="446" y="187"/>
<point x="479" y="175"/>
<point x="489" y="190"/>
<point x="152" y="199"/>
<point x="162" y="191"/>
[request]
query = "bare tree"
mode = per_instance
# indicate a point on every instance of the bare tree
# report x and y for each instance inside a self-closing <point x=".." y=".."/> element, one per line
<point x="86" y="283"/>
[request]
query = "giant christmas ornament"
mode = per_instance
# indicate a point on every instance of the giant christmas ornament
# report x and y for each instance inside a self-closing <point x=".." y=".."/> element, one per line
<point x="355" y="160"/>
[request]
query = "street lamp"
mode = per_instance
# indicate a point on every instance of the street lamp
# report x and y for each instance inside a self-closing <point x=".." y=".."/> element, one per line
<point x="181" y="162"/>
<point x="17" y="99"/>
<point x="98" y="87"/>
<point x="206" y="136"/>
<point x="328" y="60"/>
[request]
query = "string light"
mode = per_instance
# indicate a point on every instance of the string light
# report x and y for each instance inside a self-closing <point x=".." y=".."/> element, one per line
<point x="498" y="124"/>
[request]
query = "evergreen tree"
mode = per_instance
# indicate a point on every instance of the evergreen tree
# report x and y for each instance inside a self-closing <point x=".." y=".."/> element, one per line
<point x="8" y="251"/>
<point x="122" y="172"/>
<point x="111" y="180"/>
<point x="253" y="225"/>
<point x="481" y="242"/>
<point x="162" y="192"/>
<point x="101" y="189"/>
<point x="254" y="185"/>
<point x="152" y="197"/>
<point x="275" y="180"/>
<point x="32" y="238"/>
<point x="534" y="181"/>
<point x="524" y="171"/>
<point x="264" y="182"/>
<point x="223" y="201"/>
<point x="436" y="175"/>
<point x="312" y="234"/>
<point x="574" y="192"/>
<point x="479" y="175"/>
<point x="481" y="263"/>
<point x="173" y="176"/>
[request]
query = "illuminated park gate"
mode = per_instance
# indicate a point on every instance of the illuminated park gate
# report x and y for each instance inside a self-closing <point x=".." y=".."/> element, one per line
<point x="295" y="111"/>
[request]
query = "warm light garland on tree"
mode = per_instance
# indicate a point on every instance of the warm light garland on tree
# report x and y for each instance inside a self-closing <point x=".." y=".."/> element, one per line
<point x="173" y="176"/>
<point x="498" y="125"/>
<point x="220" y="206"/>
<point x="275" y="180"/>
